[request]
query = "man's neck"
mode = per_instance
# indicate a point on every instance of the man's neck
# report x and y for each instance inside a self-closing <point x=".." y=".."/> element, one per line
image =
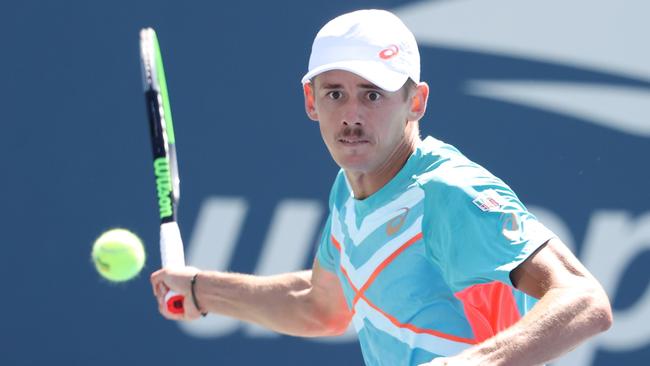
<point x="364" y="184"/>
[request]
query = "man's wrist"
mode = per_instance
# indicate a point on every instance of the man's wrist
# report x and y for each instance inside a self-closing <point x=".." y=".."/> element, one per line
<point x="193" y="293"/>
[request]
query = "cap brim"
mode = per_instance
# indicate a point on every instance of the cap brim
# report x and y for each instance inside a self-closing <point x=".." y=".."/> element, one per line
<point x="374" y="71"/>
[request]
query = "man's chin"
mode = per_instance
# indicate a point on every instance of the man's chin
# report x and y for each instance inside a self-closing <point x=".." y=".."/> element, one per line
<point x="360" y="164"/>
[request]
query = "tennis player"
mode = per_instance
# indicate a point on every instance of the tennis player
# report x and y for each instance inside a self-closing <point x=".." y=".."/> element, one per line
<point x="433" y="259"/>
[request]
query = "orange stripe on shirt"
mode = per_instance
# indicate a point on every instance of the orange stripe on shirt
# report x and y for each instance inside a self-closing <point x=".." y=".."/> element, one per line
<point x="415" y="329"/>
<point x="360" y="294"/>
<point x="489" y="308"/>
<point x="383" y="265"/>
<point x="345" y="274"/>
<point x="337" y="245"/>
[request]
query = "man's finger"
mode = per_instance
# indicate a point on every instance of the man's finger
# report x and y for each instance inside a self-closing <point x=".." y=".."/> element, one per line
<point x="155" y="279"/>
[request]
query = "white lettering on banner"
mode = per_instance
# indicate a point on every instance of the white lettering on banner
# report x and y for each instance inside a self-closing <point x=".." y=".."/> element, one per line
<point x="605" y="42"/>
<point x="613" y="239"/>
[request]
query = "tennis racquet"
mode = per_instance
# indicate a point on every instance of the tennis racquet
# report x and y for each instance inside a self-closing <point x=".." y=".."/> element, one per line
<point x="164" y="159"/>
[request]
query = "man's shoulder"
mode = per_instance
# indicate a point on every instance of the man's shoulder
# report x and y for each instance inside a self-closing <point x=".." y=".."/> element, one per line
<point x="444" y="172"/>
<point x="442" y="164"/>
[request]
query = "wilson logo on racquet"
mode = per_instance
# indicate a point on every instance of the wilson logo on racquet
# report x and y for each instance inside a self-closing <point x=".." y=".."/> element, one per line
<point x="389" y="52"/>
<point x="163" y="186"/>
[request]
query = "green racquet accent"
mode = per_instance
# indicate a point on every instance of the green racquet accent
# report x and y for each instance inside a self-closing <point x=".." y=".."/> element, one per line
<point x="162" y="82"/>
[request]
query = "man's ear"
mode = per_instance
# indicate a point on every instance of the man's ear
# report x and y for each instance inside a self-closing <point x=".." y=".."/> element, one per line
<point x="310" y="105"/>
<point x="419" y="101"/>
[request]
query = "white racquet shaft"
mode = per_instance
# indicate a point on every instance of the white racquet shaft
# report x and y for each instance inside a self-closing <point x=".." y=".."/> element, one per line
<point x="172" y="255"/>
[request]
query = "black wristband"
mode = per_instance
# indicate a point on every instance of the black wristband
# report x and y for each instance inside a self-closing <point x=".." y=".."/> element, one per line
<point x="194" y="300"/>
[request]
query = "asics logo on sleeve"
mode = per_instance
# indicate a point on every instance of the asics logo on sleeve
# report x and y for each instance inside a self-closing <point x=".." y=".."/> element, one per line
<point x="511" y="228"/>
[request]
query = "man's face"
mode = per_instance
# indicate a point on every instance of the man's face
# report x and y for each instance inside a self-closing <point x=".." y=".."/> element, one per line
<point x="361" y="124"/>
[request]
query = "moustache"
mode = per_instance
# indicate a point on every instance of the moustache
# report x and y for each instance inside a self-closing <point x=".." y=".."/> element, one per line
<point x="355" y="132"/>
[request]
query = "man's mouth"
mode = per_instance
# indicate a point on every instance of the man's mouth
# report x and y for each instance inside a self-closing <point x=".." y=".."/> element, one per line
<point x="352" y="141"/>
<point x="352" y="137"/>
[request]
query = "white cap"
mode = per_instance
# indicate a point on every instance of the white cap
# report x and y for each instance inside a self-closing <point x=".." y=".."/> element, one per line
<point x="373" y="44"/>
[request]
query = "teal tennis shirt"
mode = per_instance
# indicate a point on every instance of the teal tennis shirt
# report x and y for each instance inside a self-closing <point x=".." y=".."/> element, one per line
<point x="425" y="262"/>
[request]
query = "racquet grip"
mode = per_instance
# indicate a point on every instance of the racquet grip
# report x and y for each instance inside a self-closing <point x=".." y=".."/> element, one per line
<point x="172" y="256"/>
<point x="174" y="302"/>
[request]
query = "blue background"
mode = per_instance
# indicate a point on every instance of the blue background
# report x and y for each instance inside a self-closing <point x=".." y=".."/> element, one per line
<point x="76" y="160"/>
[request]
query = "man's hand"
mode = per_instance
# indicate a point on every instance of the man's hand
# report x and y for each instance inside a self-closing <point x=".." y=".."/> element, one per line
<point x="304" y="303"/>
<point x="178" y="280"/>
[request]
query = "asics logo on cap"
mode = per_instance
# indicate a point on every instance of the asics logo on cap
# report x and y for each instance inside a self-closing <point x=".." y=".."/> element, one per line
<point x="389" y="52"/>
<point x="366" y="43"/>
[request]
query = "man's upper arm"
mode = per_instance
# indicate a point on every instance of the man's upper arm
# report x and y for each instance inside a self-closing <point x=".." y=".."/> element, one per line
<point x="551" y="266"/>
<point x="327" y="295"/>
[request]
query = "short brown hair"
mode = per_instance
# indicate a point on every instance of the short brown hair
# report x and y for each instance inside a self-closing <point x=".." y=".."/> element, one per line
<point x="409" y="85"/>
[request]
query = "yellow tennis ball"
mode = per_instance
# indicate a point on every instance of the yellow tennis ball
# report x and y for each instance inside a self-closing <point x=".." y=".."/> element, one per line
<point x="118" y="255"/>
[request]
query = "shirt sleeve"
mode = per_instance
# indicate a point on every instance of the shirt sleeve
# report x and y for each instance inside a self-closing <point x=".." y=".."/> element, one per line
<point x="324" y="254"/>
<point x="478" y="231"/>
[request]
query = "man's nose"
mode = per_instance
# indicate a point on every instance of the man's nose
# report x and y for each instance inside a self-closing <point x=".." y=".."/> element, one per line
<point x="352" y="113"/>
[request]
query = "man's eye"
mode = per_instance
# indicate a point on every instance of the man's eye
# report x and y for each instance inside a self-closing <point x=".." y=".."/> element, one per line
<point x="334" y="94"/>
<point x="373" y="96"/>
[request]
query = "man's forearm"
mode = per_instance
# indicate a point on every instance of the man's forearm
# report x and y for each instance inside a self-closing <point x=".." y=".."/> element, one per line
<point x="280" y="302"/>
<point x="562" y="319"/>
